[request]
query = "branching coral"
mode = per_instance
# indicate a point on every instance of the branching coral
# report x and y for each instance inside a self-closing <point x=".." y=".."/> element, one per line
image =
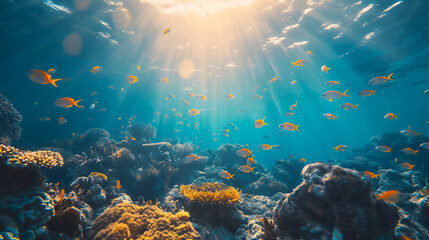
<point x="129" y="221"/>
<point x="211" y="194"/>
<point x="9" y="121"/>
<point x="141" y="130"/>
<point x="14" y="157"/>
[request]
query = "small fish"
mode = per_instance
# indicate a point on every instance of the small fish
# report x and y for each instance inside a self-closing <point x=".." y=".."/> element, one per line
<point x="191" y="94"/>
<point x="230" y="96"/>
<point x="92" y="106"/>
<point x="139" y="68"/>
<point x="122" y="89"/>
<point x="289" y="156"/>
<point x="61" y="196"/>
<point x="410" y="151"/>
<point x="425" y="145"/>
<point x="370" y="174"/>
<point x="96" y="69"/>
<point x="118" y="184"/>
<point x="292" y="108"/>
<point x="324" y="68"/>
<point x="226" y="175"/>
<point x="67" y="102"/>
<point x="164" y="80"/>
<point x="260" y="123"/>
<point x="257" y="97"/>
<point x="185" y="102"/>
<point x="331" y="95"/>
<point x="383" y="149"/>
<point x="367" y="93"/>
<point x="93" y="93"/>
<point x="396" y="159"/>
<point x="178" y="115"/>
<point x="246" y="169"/>
<point x="301" y="160"/>
<point x="251" y="161"/>
<point x="389" y="196"/>
<point x="390" y="116"/>
<point x="332" y="83"/>
<point x="133" y="138"/>
<point x="273" y="80"/>
<point x="380" y="80"/>
<point x="113" y="87"/>
<point x="426" y="92"/>
<point x="266" y="146"/>
<point x="193" y="112"/>
<point x="330" y="116"/>
<point x="406" y="166"/>
<point x="341" y="148"/>
<point x="409" y="132"/>
<point x="299" y="63"/>
<point x="289" y="126"/>
<point x="192" y="157"/>
<point x="41" y="77"/>
<point x="244" y="152"/>
<point x="46" y="119"/>
<point x="52" y="70"/>
<point x="293" y="82"/>
<point x="348" y="106"/>
<point x="289" y="114"/>
<point x="311" y="53"/>
<point x="202" y="97"/>
<point x="61" y="121"/>
<point x="166" y="31"/>
<point x="131" y="79"/>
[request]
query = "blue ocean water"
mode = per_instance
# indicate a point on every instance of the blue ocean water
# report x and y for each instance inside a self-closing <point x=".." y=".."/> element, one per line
<point x="237" y="50"/>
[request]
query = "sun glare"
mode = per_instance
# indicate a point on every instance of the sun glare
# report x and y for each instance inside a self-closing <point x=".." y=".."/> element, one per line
<point x="201" y="7"/>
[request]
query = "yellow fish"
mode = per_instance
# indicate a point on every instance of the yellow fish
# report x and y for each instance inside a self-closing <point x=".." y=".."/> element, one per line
<point x="330" y="116"/>
<point x="324" y="68"/>
<point x="202" y="97"/>
<point x="383" y="149"/>
<point x="367" y="93"/>
<point x="292" y="108"/>
<point x="273" y="80"/>
<point x="226" y="175"/>
<point x="67" y="102"/>
<point x="164" y="80"/>
<point x="370" y="174"/>
<point x="347" y="106"/>
<point x="244" y="152"/>
<point x="406" y="166"/>
<point x="332" y="83"/>
<point x="229" y="96"/>
<point x="260" y="123"/>
<point x="41" y="77"/>
<point x="299" y="63"/>
<point x="166" y="31"/>
<point x="251" y="161"/>
<point x="193" y="112"/>
<point x="311" y="53"/>
<point x="391" y="116"/>
<point x="341" y="148"/>
<point x="289" y="126"/>
<point x="410" y="151"/>
<point x="96" y="69"/>
<point x="246" y="169"/>
<point x="131" y="79"/>
<point x="257" y="97"/>
<point x="331" y="95"/>
<point x="118" y="184"/>
<point x="380" y="80"/>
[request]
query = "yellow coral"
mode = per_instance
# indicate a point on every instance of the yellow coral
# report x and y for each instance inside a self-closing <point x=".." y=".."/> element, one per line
<point x="44" y="158"/>
<point x="99" y="175"/>
<point x="211" y="193"/>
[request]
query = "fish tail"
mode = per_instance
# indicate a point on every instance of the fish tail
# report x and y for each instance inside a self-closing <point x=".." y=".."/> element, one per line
<point x="75" y="103"/>
<point x="296" y="128"/>
<point x="293" y="64"/>
<point x="395" y="116"/>
<point x="375" y="91"/>
<point x="388" y="77"/>
<point x="356" y="106"/>
<point x="251" y="169"/>
<point x="52" y="81"/>
<point x="232" y="176"/>
<point x="345" y="93"/>
<point x="376" y="176"/>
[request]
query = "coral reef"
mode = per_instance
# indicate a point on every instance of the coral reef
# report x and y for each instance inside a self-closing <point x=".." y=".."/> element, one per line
<point x="211" y="194"/>
<point x="326" y="201"/>
<point x="140" y="131"/>
<point x="9" y="122"/>
<point x="129" y="221"/>
<point x="42" y="158"/>
<point x="66" y="220"/>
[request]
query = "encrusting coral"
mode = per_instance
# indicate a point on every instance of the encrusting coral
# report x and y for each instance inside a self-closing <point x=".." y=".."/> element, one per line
<point x="9" y="122"/>
<point x="130" y="221"/>
<point x="42" y="158"/>
<point x="211" y="193"/>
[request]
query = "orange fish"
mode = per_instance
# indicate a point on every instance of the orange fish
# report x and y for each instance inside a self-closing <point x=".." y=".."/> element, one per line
<point x="251" y="161"/>
<point x="93" y="93"/>
<point x="61" y="121"/>
<point x="246" y="169"/>
<point x="311" y="53"/>
<point x="299" y="63"/>
<point x="289" y="114"/>
<point x="96" y="69"/>
<point x="52" y="70"/>
<point x="202" y="97"/>
<point x="330" y="116"/>
<point x="193" y="112"/>
<point x="289" y="156"/>
<point x="410" y="151"/>
<point x="226" y="175"/>
<point x="266" y="146"/>
<point x="324" y="68"/>
<point x="118" y="184"/>
<point x="164" y="80"/>
<point x="380" y="80"/>
<point x="367" y="93"/>
<point x="257" y="97"/>
<point x="331" y="95"/>
<point x="302" y="160"/>
<point x="347" y="106"/>
<point x="166" y="31"/>
<point x="370" y="174"/>
<point x="341" y="148"/>
<point x="192" y="157"/>
<point x="230" y="96"/>
<point x="289" y="126"/>
<point x="409" y="132"/>
<point x="131" y="79"/>
<point x="406" y="166"/>
<point x="260" y="123"/>
<point x="67" y="102"/>
<point x="273" y="80"/>
<point x="61" y="196"/>
<point x="244" y="152"/>
<point x="332" y="83"/>
<point x="41" y="77"/>
<point x="389" y="196"/>
<point x="390" y="116"/>
<point x="383" y="149"/>
<point x="292" y="108"/>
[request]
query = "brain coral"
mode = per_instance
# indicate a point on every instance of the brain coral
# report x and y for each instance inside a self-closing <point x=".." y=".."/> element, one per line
<point x="9" y="121"/>
<point x="129" y="221"/>
<point x="14" y="157"/>
<point x="211" y="193"/>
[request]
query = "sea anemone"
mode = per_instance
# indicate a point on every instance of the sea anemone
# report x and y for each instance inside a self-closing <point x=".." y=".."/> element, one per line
<point x="211" y="194"/>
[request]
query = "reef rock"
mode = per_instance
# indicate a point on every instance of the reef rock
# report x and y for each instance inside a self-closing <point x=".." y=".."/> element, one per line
<point x="334" y="201"/>
<point x="9" y="122"/>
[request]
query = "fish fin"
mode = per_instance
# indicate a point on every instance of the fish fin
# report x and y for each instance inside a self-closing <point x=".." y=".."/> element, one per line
<point x="232" y="176"/>
<point x="75" y="103"/>
<point x="374" y="91"/>
<point x="330" y="100"/>
<point x="296" y="127"/>
<point x="395" y="116"/>
<point x="376" y="175"/>
<point x="345" y="93"/>
<point x="388" y="77"/>
<point x="356" y="106"/>
<point x="251" y="169"/>
<point x="52" y="81"/>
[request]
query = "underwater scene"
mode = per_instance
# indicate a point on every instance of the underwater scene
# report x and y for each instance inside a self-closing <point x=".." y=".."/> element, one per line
<point x="214" y="119"/>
